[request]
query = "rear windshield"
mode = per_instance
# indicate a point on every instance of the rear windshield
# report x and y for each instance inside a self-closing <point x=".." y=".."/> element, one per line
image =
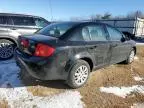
<point x="56" y="29"/>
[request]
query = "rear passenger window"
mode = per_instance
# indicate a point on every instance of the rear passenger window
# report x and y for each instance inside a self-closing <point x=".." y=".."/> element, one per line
<point x="23" y="21"/>
<point x="3" y="20"/>
<point x="97" y="33"/>
<point x="90" y="33"/>
<point x="115" y="35"/>
<point x="94" y="33"/>
<point x="86" y="34"/>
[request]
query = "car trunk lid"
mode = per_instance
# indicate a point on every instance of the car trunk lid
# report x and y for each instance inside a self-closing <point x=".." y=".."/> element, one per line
<point x="28" y="44"/>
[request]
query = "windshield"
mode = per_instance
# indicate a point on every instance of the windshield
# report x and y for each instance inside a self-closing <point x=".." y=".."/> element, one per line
<point x="56" y="30"/>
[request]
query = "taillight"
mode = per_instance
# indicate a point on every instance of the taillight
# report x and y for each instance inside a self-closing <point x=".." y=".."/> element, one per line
<point x="43" y="50"/>
<point x="24" y="43"/>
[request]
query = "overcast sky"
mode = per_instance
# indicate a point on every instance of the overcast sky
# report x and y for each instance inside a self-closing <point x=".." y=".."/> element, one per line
<point x="65" y="9"/>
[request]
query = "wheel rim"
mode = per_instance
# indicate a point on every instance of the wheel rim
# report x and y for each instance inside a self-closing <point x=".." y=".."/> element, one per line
<point x="6" y="50"/>
<point x="131" y="58"/>
<point x="81" y="75"/>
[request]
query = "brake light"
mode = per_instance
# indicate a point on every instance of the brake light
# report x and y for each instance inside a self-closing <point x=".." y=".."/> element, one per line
<point x="43" y="50"/>
<point x="25" y="43"/>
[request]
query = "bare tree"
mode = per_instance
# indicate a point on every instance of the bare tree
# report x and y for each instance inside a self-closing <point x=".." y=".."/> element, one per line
<point x="107" y="15"/>
<point x="119" y="17"/>
<point x="135" y="14"/>
<point x="78" y="18"/>
<point x="95" y="17"/>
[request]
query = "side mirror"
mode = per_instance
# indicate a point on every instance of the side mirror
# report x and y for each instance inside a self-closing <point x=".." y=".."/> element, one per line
<point x="123" y="39"/>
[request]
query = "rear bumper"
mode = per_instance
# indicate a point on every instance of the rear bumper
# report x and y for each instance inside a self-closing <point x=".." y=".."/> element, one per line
<point x="43" y="69"/>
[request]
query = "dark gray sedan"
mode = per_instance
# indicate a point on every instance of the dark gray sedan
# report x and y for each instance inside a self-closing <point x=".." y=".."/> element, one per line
<point x="71" y="50"/>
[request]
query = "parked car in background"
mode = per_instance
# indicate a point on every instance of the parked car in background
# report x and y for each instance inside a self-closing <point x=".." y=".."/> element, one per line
<point x="71" y="50"/>
<point x="13" y="25"/>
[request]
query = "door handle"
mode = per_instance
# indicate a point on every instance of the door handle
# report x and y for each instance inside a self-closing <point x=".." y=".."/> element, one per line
<point x="13" y="29"/>
<point x="93" y="47"/>
<point x="114" y="45"/>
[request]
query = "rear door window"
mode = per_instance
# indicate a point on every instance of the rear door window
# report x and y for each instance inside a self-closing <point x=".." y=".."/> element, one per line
<point x="94" y="33"/>
<point x="97" y="33"/>
<point x="90" y="33"/>
<point x="23" y="21"/>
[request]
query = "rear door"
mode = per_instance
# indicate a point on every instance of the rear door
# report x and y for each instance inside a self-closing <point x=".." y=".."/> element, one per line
<point x="98" y="45"/>
<point x="22" y="25"/>
<point x="120" y="49"/>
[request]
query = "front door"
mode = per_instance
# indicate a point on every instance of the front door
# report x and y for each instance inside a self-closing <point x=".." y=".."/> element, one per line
<point x="120" y="49"/>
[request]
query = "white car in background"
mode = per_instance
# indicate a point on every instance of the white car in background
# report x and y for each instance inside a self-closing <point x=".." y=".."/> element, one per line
<point x="14" y="25"/>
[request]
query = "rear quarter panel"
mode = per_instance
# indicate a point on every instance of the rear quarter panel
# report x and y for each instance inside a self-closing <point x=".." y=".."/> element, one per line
<point x="68" y="54"/>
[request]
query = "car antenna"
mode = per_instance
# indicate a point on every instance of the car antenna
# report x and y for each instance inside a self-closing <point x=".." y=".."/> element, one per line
<point x="51" y="11"/>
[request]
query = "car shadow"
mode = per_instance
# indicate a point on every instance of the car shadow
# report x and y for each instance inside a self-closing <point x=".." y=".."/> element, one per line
<point x="27" y="80"/>
<point x="12" y="76"/>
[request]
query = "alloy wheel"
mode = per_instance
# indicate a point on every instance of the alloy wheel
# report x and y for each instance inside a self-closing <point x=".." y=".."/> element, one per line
<point x="131" y="57"/>
<point x="81" y="75"/>
<point x="6" y="50"/>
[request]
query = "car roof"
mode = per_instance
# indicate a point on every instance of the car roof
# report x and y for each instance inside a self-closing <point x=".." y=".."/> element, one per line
<point x="81" y="22"/>
<point x="15" y="14"/>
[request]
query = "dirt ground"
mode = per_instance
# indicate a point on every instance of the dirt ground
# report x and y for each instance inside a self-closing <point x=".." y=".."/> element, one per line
<point x="115" y="75"/>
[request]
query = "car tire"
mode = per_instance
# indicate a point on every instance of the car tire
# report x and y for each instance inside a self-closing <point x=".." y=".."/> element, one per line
<point x="6" y="49"/>
<point x="131" y="56"/>
<point x="79" y="74"/>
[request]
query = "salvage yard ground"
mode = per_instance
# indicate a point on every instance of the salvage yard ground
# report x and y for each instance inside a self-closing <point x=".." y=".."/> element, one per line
<point x="116" y="86"/>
